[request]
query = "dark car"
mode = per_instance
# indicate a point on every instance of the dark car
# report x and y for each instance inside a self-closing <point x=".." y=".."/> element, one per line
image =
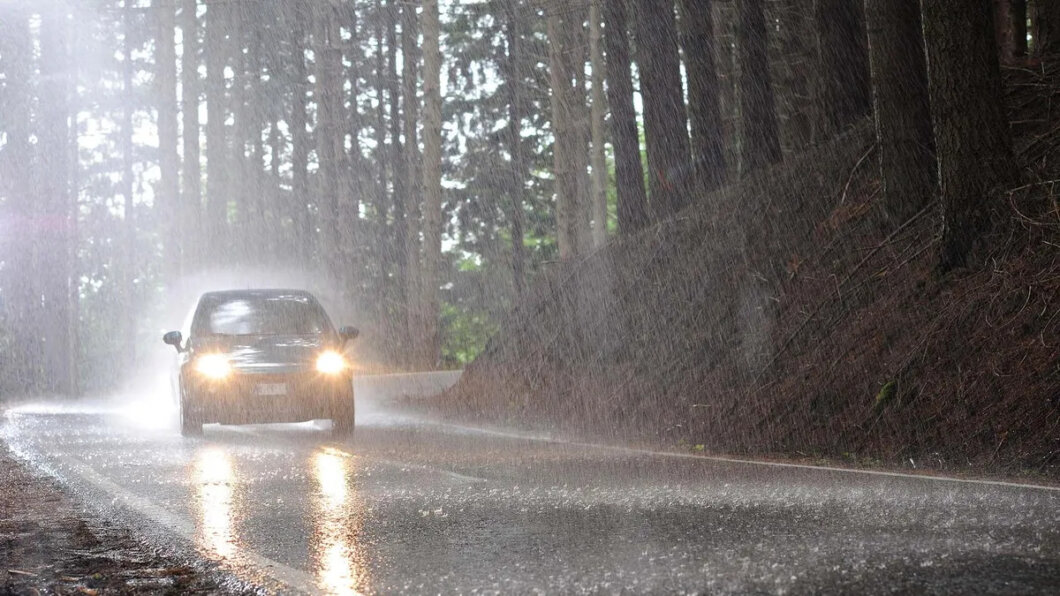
<point x="255" y="356"/>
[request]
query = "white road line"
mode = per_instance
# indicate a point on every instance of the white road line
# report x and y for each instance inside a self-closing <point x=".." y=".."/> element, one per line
<point x="294" y="579"/>
<point x="742" y="461"/>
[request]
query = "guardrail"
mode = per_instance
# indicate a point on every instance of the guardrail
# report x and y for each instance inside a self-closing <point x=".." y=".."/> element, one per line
<point x="384" y="387"/>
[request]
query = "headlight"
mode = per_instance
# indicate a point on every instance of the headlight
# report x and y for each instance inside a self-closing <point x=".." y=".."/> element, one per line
<point x="331" y="363"/>
<point x="213" y="366"/>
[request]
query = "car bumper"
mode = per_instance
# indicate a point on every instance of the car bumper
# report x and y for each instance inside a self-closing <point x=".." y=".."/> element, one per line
<point x="247" y="398"/>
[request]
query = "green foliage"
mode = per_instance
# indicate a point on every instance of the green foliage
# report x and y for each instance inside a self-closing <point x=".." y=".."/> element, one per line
<point x="886" y="394"/>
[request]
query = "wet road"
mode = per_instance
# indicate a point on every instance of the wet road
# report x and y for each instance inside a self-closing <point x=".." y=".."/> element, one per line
<point x="416" y="507"/>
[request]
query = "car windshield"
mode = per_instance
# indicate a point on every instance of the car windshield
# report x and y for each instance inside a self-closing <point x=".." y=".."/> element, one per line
<point x="260" y="315"/>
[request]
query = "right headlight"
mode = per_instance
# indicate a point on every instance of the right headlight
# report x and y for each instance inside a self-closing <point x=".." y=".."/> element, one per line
<point x="331" y="363"/>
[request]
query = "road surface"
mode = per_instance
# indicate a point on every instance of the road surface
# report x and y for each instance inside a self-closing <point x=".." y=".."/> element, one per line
<point x="413" y="506"/>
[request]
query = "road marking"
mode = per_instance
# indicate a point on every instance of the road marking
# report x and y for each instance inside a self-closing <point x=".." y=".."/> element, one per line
<point x="294" y="579"/>
<point x="737" y="460"/>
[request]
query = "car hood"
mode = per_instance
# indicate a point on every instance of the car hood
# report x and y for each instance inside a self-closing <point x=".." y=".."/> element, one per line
<point x="267" y="353"/>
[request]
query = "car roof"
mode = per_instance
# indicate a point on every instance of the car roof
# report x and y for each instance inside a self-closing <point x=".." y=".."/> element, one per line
<point x="256" y="293"/>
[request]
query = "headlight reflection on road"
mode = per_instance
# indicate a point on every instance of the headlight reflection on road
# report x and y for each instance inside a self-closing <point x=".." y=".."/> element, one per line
<point x="338" y="568"/>
<point x="215" y="481"/>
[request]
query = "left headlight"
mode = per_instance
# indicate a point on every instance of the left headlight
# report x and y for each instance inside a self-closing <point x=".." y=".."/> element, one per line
<point x="213" y="366"/>
<point x="331" y="363"/>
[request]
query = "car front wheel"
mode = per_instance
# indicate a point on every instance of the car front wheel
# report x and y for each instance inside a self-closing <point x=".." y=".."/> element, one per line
<point x="342" y="417"/>
<point x="190" y="420"/>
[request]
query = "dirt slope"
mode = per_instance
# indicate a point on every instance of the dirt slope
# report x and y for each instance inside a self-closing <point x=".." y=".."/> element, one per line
<point x="782" y="315"/>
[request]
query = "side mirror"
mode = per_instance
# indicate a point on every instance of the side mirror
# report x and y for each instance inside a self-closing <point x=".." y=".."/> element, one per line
<point x="348" y="334"/>
<point x="174" y="338"/>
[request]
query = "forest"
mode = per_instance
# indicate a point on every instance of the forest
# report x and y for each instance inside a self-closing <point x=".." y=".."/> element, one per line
<point x="596" y="198"/>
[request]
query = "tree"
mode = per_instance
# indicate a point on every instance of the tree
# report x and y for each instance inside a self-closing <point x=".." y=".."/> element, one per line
<point x="572" y="237"/>
<point x="704" y="107"/>
<point x="902" y="113"/>
<point x="844" y="63"/>
<point x="217" y="162"/>
<point x="54" y="241"/>
<point x="329" y="131"/>
<point x="168" y="191"/>
<point x="665" y="118"/>
<point x="629" y="171"/>
<point x="514" y="34"/>
<point x="759" y="141"/>
<point x="598" y="160"/>
<point x="972" y="140"/>
<point x="1048" y="23"/>
<point x="190" y="216"/>
<point x="298" y="207"/>
<point x="432" y="180"/>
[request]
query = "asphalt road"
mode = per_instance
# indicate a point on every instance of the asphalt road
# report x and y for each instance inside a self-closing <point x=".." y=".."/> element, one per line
<point x="413" y="506"/>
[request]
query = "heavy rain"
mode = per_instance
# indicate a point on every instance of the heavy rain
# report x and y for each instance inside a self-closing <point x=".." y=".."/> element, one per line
<point x="529" y="296"/>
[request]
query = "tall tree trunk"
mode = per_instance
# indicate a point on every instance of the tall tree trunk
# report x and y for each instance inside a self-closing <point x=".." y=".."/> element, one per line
<point x="665" y="117"/>
<point x="1019" y="27"/>
<point x="759" y="143"/>
<point x="300" y="199"/>
<point x="903" y="116"/>
<point x="564" y="170"/>
<point x="412" y="160"/>
<point x="73" y="290"/>
<point x="53" y="154"/>
<point x="217" y="163"/>
<point x="516" y="111"/>
<point x="844" y="63"/>
<point x="168" y="193"/>
<point x="128" y="241"/>
<point x="971" y="132"/>
<point x="598" y="161"/>
<point x="1048" y="24"/>
<point x="329" y="132"/>
<point x="190" y="216"/>
<point x="708" y="149"/>
<point x="432" y="181"/>
<point x="20" y="283"/>
<point x="629" y="170"/>
<point x="1004" y="30"/>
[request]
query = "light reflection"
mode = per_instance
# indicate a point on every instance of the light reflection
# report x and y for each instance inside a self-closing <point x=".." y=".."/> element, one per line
<point x="337" y="557"/>
<point x="215" y="482"/>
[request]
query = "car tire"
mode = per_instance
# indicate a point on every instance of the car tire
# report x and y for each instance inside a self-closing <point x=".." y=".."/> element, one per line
<point x="190" y="421"/>
<point x="342" y="417"/>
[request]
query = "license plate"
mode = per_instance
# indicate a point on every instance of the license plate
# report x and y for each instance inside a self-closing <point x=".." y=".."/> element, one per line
<point x="271" y="389"/>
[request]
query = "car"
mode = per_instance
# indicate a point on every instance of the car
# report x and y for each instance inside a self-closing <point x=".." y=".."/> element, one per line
<point x="259" y="356"/>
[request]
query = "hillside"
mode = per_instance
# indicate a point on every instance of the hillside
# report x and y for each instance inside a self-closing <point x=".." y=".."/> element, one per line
<point x="782" y="315"/>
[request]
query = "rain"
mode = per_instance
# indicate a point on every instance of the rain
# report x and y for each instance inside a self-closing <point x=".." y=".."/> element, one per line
<point x="529" y="296"/>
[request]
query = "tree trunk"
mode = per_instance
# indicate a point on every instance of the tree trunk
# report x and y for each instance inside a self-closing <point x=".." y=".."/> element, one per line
<point x="128" y="240"/>
<point x="971" y="132"/>
<point x="300" y="199"/>
<point x="518" y="174"/>
<point x="665" y="119"/>
<point x="1019" y="27"/>
<point x="190" y="215"/>
<point x="21" y="288"/>
<point x="168" y="190"/>
<point x="759" y="143"/>
<point x="563" y="132"/>
<point x="902" y="113"/>
<point x="598" y="159"/>
<point x="329" y="132"/>
<point x="53" y="138"/>
<point x="413" y="171"/>
<point x="217" y="163"/>
<point x="629" y="171"/>
<point x="1048" y="25"/>
<point x="1004" y="31"/>
<point x="844" y="63"/>
<point x="704" y="107"/>
<point x="432" y="181"/>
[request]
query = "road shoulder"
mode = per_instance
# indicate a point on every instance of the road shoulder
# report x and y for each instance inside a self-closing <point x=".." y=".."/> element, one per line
<point x="49" y="544"/>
